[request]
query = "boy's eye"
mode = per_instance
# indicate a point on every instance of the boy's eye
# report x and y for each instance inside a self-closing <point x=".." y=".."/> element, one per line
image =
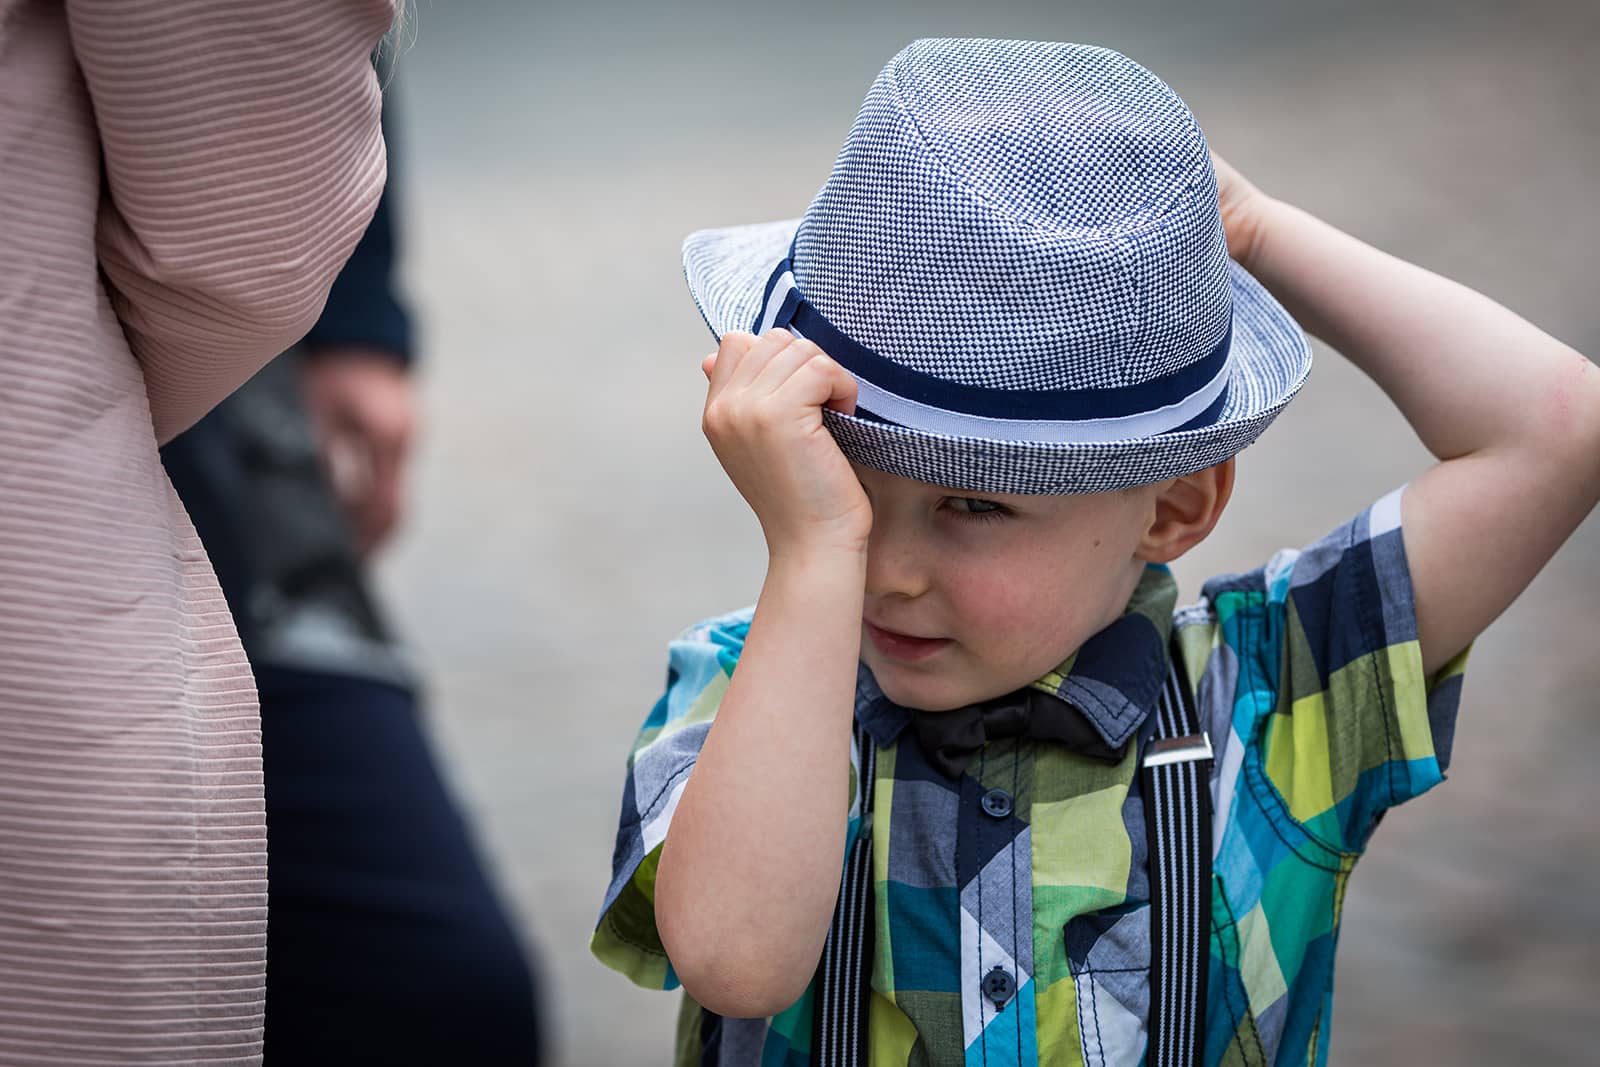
<point x="973" y="507"/>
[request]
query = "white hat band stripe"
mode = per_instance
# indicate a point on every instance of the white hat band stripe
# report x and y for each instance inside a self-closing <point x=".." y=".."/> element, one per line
<point x="917" y="416"/>
<point x="778" y="290"/>
<point x="784" y="306"/>
<point x="920" y="416"/>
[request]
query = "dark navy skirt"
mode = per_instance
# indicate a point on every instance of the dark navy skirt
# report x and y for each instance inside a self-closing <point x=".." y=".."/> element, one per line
<point x="385" y="942"/>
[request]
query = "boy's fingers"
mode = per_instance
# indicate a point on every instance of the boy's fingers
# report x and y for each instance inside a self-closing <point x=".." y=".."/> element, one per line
<point x="730" y="353"/>
<point x="841" y="389"/>
<point x="823" y="382"/>
<point x="706" y="365"/>
<point x="760" y="354"/>
<point x="781" y="367"/>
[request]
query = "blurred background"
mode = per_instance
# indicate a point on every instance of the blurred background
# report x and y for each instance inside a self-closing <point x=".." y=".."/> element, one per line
<point x="567" y="518"/>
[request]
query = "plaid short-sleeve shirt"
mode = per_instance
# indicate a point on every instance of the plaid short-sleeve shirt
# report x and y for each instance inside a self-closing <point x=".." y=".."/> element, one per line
<point x="1310" y="680"/>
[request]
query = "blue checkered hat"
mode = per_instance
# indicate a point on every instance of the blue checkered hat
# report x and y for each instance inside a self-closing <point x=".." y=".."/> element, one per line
<point x="1019" y="257"/>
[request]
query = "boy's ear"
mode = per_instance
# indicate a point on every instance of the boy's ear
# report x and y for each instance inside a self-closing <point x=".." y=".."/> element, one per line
<point x="1185" y="510"/>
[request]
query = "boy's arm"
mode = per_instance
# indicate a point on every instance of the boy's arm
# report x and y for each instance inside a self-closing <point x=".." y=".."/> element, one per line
<point x="1512" y="414"/>
<point x="750" y="869"/>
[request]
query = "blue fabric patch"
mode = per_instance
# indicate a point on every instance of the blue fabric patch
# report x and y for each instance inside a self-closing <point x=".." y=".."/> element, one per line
<point x="925" y="936"/>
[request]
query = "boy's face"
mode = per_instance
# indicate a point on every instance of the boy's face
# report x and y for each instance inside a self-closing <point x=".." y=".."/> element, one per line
<point x="973" y="595"/>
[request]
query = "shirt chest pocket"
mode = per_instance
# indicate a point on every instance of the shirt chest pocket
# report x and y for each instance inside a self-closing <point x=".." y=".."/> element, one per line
<point x="1108" y="953"/>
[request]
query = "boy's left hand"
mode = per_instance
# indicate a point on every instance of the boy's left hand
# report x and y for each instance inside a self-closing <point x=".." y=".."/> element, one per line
<point x="1244" y="208"/>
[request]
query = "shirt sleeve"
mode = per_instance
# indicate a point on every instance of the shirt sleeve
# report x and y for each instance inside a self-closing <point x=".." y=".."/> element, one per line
<point x="699" y="664"/>
<point x="243" y="159"/>
<point x="1338" y="719"/>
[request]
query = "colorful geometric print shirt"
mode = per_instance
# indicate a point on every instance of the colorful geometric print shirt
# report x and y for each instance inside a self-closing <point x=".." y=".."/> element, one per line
<point x="1034" y="860"/>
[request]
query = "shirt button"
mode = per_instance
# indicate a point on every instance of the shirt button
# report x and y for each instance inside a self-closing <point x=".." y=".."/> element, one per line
<point x="997" y="802"/>
<point x="998" y="985"/>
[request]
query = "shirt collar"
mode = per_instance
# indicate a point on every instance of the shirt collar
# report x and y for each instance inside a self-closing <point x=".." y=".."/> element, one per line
<point x="1114" y="678"/>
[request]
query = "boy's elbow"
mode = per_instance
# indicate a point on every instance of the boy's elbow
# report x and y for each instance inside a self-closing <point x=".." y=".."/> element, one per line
<point x="1572" y="423"/>
<point x="1588" y="389"/>
<point x="731" y="971"/>
<point x="746" y="989"/>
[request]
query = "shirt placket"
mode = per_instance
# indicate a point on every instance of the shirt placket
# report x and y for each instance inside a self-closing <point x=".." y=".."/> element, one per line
<point x="994" y="862"/>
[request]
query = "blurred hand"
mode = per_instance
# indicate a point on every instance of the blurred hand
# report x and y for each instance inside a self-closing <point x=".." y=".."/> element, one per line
<point x="763" y="417"/>
<point x="1244" y="211"/>
<point x="360" y="405"/>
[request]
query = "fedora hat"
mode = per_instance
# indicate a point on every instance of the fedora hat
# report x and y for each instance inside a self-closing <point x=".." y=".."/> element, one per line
<point x="1019" y="257"/>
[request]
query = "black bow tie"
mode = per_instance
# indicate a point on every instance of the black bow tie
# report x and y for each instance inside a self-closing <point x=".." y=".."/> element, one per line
<point x="951" y="738"/>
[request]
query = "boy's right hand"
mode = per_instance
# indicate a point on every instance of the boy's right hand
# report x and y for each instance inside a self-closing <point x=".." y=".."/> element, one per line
<point x="763" y="417"/>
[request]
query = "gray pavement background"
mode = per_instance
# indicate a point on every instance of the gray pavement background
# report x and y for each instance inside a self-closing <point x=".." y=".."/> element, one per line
<point x="569" y="518"/>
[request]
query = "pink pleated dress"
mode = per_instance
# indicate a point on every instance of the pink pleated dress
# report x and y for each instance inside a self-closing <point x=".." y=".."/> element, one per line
<point x="180" y="180"/>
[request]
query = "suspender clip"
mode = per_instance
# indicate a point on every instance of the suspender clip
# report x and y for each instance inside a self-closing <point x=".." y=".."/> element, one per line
<point x="1190" y="748"/>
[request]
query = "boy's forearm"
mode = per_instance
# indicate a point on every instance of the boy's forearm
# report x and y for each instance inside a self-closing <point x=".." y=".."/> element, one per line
<point x="750" y="870"/>
<point x="1468" y="374"/>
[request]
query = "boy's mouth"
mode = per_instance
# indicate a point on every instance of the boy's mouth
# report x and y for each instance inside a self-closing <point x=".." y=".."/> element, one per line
<point x="903" y="647"/>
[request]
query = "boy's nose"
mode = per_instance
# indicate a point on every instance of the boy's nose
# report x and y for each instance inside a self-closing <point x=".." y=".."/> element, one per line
<point x="896" y="562"/>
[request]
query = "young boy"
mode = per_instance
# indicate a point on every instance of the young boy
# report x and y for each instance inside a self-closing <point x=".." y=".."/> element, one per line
<point x="965" y="672"/>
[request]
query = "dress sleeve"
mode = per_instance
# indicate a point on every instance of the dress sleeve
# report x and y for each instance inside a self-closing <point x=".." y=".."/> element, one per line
<point x="364" y="307"/>
<point x="243" y="159"/>
<point x="699" y="664"/>
<point x="1339" y="721"/>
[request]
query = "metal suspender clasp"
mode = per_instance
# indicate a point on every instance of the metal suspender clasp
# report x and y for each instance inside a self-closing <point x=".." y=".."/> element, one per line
<point x="1187" y="749"/>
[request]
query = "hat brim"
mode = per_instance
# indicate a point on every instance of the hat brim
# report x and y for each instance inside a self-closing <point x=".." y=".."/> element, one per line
<point x="727" y="271"/>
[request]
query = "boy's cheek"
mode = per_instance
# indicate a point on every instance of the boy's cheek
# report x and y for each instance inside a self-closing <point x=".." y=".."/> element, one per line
<point x="1022" y="629"/>
<point x="1001" y="610"/>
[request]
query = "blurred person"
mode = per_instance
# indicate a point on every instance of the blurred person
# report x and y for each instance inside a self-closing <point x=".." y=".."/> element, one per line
<point x="966" y="786"/>
<point x="385" y="942"/>
<point x="181" y="181"/>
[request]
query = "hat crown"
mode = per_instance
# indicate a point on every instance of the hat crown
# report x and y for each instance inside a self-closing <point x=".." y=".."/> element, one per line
<point x="1021" y="215"/>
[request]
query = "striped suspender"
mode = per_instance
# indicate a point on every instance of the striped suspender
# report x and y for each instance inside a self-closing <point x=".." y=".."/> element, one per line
<point x="1176" y="779"/>
<point x="844" y="976"/>
<point x="1176" y="776"/>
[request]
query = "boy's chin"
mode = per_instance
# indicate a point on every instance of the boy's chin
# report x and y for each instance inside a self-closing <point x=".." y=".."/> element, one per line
<point x="926" y="693"/>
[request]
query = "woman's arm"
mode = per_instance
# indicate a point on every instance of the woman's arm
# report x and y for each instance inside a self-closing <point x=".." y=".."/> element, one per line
<point x="1512" y="414"/>
<point x="243" y="159"/>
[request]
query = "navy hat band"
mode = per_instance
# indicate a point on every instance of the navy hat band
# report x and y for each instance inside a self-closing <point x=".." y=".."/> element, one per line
<point x="1181" y="400"/>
